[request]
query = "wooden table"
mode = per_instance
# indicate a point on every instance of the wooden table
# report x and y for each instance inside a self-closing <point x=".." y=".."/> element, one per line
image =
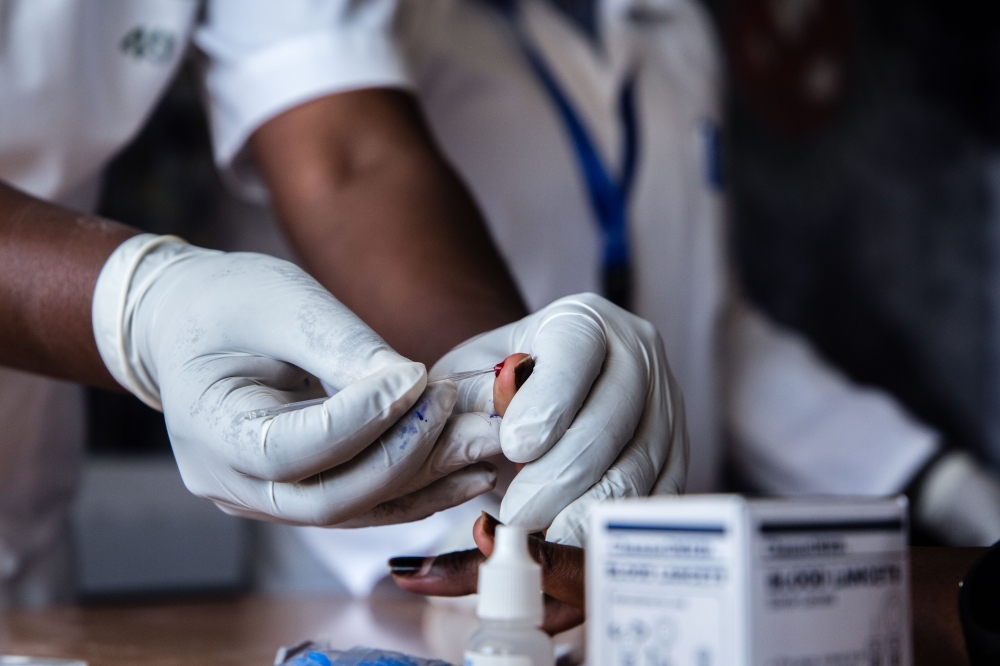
<point x="249" y="630"/>
<point x="937" y="633"/>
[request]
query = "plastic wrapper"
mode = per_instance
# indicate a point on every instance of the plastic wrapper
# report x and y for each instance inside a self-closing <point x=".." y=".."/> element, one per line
<point x="313" y="654"/>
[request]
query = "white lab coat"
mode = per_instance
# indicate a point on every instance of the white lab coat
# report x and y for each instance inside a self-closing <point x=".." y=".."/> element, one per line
<point x="77" y="81"/>
<point x="796" y="425"/>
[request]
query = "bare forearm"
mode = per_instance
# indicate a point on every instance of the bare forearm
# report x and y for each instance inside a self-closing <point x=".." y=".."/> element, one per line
<point x="50" y="258"/>
<point x="379" y="217"/>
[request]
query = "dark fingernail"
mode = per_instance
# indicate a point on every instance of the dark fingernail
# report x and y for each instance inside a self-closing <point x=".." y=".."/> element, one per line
<point x="406" y="566"/>
<point x="523" y="370"/>
<point x="490" y="524"/>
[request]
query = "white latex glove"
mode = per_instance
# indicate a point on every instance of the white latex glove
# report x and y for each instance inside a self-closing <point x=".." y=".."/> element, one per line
<point x="210" y="335"/>
<point x="600" y="416"/>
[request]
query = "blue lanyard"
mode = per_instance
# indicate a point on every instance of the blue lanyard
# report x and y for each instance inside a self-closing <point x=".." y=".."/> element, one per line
<point x="608" y="196"/>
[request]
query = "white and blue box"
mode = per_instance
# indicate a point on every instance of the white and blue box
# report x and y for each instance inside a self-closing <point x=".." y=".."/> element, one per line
<point x="721" y="580"/>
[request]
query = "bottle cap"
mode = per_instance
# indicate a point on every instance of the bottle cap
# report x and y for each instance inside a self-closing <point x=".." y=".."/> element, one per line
<point x="510" y="582"/>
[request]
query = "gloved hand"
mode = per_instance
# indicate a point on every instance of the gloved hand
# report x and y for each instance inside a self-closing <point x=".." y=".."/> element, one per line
<point x="210" y="335"/>
<point x="599" y="417"/>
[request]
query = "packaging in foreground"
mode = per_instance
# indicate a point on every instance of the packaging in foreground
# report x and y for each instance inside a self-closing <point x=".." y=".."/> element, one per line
<point x="719" y="580"/>
<point x="309" y="653"/>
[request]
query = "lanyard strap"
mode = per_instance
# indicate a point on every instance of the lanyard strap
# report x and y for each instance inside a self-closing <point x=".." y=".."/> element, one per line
<point x="608" y="196"/>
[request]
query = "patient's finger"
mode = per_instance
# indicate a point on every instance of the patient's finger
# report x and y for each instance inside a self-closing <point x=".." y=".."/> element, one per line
<point x="456" y="575"/>
<point x="449" y="575"/>
<point x="563" y="567"/>
<point x="510" y="376"/>
<point x="560" y="616"/>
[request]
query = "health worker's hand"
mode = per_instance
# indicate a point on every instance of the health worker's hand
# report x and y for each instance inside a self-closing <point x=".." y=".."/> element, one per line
<point x="599" y="417"/>
<point x="206" y="336"/>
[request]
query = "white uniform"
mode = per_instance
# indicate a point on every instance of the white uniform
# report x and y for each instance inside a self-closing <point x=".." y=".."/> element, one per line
<point x="79" y="78"/>
<point x="796" y="425"/>
<point x="77" y="81"/>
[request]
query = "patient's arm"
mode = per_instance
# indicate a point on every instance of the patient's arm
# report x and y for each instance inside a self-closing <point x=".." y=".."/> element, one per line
<point x="50" y="258"/>
<point x="381" y="219"/>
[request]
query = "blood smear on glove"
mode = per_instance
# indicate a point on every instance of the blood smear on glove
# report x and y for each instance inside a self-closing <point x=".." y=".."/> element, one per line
<point x="295" y="406"/>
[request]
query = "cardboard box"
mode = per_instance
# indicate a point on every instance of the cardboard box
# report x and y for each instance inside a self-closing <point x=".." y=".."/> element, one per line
<point x="719" y="580"/>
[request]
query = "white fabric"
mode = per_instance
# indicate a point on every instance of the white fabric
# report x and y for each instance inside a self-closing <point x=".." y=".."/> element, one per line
<point x="801" y="427"/>
<point x="74" y="89"/>
<point x="500" y="129"/>
<point x="79" y="78"/>
<point x="267" y="57"/>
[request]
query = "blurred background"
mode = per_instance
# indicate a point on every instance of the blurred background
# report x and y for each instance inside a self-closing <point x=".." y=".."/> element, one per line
<point x="862" y="170"/>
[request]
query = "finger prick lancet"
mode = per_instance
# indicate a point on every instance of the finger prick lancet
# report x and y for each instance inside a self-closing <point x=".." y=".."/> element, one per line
<point x="295" y="406"/>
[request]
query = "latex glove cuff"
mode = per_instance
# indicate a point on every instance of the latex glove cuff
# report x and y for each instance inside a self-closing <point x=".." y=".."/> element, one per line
<point x="125" y="278"/>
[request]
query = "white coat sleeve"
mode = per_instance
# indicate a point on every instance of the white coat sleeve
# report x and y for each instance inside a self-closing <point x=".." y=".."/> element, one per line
<point x="266" y="57"/>
<point x="800" y="426"/>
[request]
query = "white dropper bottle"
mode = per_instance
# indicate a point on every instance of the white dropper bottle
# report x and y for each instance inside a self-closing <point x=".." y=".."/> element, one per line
<point x="510" y="607"/>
